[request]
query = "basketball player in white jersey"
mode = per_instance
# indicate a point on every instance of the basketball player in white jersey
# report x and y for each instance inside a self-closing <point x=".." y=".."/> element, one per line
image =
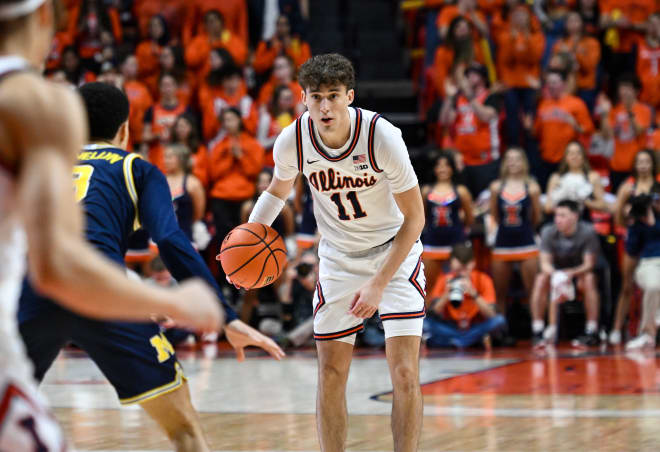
<point x="42" y="127"/>
<point x="370" y="214"/>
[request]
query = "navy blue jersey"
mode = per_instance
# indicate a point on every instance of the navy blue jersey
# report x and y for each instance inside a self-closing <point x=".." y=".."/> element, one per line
<point x="121" y="192"/>
<point x="515" y="226"/>
<point x="443" y="222"/>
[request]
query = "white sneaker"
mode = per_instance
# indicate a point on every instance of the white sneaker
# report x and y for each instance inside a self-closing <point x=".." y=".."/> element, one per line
<point x="615" y="337"/>
<point x="640" y="342"/>
<point x="550" y="334"/>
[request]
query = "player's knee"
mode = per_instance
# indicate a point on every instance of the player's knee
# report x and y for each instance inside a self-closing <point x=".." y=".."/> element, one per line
<point x="405" y="377"/>
<point x="332" y="374"/>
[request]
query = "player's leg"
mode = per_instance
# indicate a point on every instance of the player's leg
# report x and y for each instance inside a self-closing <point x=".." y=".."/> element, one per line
<point x="140" y="363"/>
<point x="403" y="360"/>
<point x="176" y="415"/>
<point x="334" y="360"/>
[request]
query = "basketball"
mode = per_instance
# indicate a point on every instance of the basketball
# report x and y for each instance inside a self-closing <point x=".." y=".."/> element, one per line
<point x="253" y="255"/>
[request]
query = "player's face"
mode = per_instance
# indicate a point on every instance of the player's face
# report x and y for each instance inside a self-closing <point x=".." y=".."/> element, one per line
<point x="574" y="157"/>
<point x="328" y="105"/>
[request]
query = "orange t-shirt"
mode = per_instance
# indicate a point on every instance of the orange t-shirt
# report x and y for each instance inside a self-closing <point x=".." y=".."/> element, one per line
<point x="553" y="127"/>
<point x="264" y="58"/>
<point x="213" y="100"/>
<point x="469" y="309"/>
<point x="234" y="178"/>
<point x="198" y="51"/>
<point x="234" y="13"/>
<point x="648" y="71"/>
<point x="148" y="58"/>
<point x="451" y="12"/>
<point x="139" y="101"/>
<point x="200" y="164"/>
<point x="519" y="58"/>
<point x="587" y="53"/>
<point x="477" y="141"/>
<point x="626" y="144"/>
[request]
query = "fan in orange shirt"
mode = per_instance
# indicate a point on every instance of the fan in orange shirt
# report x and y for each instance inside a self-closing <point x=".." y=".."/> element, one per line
<point x="627" y="123"/>
<point x="648" y="63"/>
<point x="235" y="13"/>
<point x="230" y="92"/>
<point x="216" y="36"/>
<point x="282" y="43"/>
<point x="560" y="119"/>
<point x="586" y="53"/>
<point x="466" y="9"/>
<point x="148" y="52"/>
<point x="139" y="99"/>
<point x="283" y="74"/>
<point x="234" y="163"/>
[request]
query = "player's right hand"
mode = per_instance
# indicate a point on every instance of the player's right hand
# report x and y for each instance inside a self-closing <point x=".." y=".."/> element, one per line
<point x="197" y="308"/>
<point x="233" y="283"/>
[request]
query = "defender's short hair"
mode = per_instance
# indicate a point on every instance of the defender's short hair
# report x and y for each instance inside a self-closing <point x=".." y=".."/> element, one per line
<point x="106" y="107"/>
<point x="329" y="69"/>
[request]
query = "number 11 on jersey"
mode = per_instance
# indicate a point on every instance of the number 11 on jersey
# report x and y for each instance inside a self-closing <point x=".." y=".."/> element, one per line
<point x="357" y="208"/>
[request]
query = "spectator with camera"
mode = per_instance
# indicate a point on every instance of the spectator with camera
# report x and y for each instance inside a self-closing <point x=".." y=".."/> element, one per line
<point x="462" y="309"/>
<point x="643" y="243"/>
<point x="569" y="250"/>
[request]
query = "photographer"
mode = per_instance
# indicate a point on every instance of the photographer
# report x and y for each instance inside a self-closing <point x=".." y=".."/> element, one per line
<point x="643" y="242"/>
<point x="462" y="310"/>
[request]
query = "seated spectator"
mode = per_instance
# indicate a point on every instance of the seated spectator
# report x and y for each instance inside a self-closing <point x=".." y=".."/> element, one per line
<point x="138" y="97"/>
<point x="230" y="92"/>
<point x="148" y="52"/>
<point x="184" y="132"/>
<point x="560" y="119"/>
<point x="283" y="43"/>
<point x="586" y="52"/>
<point x="515" y="207"/>
<point x="575" y="181"/>
<point x="159" y="118"/>
<point x="448" y="207"/>
<point x="648" y="62"/>
<point x="234" y="12"/>
<point x="283" y="74"/>
<point x="215" y="36"/>
<point x="74" y="71"/>
<point x="643" y="244"/>
<point x="279" y="114"/>
<point x="188" y="196"/>
<point x="520" y="49"/>
<point x="471" y="113"/>
<point x="234" y="163"/>
<point x="569" y="250"/>
<point x="462" y="310"/>
<point x="644" y="177"/>
<point x="467" y="9"/>
<point x="628" y="124"/>
<point x="459" y="50"/>
<point x="96" y="26"/>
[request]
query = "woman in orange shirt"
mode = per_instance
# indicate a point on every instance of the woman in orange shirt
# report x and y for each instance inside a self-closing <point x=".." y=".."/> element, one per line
<point x="148" y="52"/>
<point x="585" y="51"/>
<point x="234" y="163"/>
<point x="184" y="131"/>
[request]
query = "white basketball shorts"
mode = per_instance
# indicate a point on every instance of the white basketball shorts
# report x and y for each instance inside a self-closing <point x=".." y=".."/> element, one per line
<point x="341" y="274"/>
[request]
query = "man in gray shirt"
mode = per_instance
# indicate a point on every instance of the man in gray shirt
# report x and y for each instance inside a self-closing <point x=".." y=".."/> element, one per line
<point x="569" y="250"/>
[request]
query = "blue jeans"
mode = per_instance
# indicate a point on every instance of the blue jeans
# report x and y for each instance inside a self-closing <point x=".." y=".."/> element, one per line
<point x="442" y="333"/>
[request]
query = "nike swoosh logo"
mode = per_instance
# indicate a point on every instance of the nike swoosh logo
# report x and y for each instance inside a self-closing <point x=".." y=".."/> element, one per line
<point x="309" y="162"/>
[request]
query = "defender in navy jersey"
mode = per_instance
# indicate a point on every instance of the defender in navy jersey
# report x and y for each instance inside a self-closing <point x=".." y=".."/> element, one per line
<point x="121" y="192"/>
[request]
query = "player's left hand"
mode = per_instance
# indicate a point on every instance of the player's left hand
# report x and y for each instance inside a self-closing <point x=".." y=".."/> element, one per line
<point x="241" y="335"/>
<point x="366" y="300"/>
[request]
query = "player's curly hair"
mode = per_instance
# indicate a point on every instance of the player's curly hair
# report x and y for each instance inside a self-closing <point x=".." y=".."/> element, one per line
<point x="330" y="69"/>
<point x="107" y="109"/>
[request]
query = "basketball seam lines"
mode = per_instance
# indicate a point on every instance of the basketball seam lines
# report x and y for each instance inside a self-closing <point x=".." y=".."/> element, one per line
<point x="266" y="246"/>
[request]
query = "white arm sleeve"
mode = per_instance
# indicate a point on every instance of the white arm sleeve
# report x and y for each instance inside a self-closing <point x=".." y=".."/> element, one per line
<point x="266" y="209"/>
<point x="284" y="153"/>
<point x="392" y="157"/>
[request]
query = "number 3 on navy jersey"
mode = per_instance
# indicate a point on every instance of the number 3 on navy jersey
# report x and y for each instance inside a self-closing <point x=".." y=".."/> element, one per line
<point x="82" y="175"/>
<point x="357" y="208"/>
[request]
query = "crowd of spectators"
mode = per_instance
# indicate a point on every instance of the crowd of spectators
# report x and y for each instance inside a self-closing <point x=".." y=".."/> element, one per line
<point x="539" y="112"/>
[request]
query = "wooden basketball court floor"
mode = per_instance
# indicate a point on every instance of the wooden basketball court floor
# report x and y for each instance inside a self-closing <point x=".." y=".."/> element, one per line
<point x="509" y="400"/>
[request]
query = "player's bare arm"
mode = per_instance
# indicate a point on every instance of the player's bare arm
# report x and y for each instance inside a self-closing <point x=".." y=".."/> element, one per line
<point x="60" y="263"/>
<point x="369" y="296"/>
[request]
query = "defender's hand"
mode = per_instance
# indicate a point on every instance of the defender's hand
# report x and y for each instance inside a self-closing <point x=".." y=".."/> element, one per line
<point x="366" y="300"/>
<point x="241" y="335"/>
<point x="197" y="308"/>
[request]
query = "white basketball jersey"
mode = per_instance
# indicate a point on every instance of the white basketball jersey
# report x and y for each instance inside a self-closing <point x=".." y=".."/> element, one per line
<point x="352" y="187"/>
<point x="12" y="254"/>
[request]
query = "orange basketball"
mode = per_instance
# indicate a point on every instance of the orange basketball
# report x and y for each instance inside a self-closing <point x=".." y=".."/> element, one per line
<point x="253" y="255"/>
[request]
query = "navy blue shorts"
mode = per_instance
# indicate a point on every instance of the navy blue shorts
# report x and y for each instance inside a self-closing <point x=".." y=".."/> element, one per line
<point x="136" y="358"/>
